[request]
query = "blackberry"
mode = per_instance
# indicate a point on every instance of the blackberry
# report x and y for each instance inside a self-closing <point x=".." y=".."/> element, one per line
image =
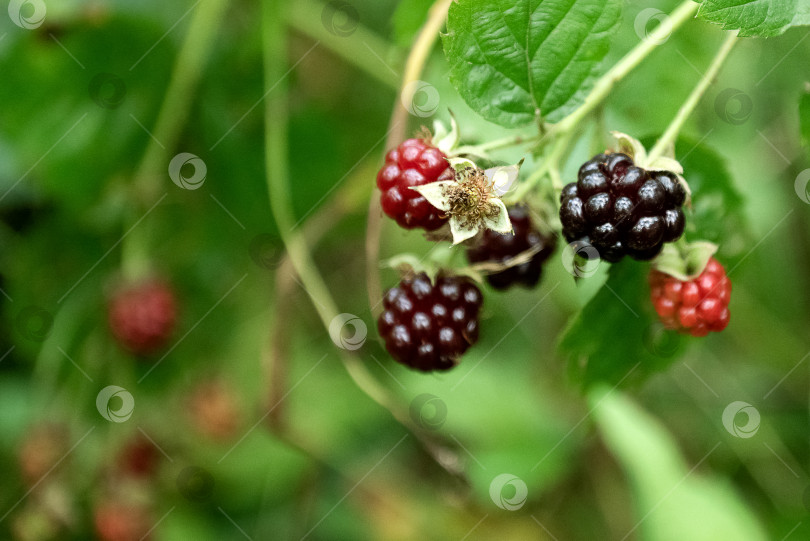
<point x="498" y="248"/>
<point x="622" y="209"/>
<point x="429" y="326"/>
<point x="413" y="163"/>
<point x="142" y="316"/>
<point x="697" y="306"/>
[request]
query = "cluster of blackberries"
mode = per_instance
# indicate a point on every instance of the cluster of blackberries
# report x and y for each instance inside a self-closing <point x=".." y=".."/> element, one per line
<point x="622" y="209"/>
<point x="614" y="206"/>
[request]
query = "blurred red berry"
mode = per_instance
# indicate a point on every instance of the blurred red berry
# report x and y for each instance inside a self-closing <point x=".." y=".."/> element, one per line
<point x="215" y="410"/>
<point x="697" y="306"/>
<point x="142" y="316"/>
<point x="139" y="457"/>
<point x="43" y="447"/>
<point x="119" y="521"/>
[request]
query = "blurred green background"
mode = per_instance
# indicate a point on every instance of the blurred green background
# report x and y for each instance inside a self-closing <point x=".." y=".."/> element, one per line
<point x="80" y="96"/>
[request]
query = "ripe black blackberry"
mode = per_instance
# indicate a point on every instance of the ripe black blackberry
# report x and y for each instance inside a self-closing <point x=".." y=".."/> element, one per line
<point x="498" y="248"/>
<point x="429" y="326"/>
<point x="622" y="209"/>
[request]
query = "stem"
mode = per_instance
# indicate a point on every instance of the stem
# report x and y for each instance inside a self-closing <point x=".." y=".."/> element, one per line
<point x="151" y="171"/>
<point x="505" y="142"/>
<point x="276" y="150"/>
<point x="632" y="59"/>
<point x="551" y="162"/>
<point x="188" y="67"/>
<point x="671" y="133"/>
<point x="397" y="130"/>
<point x="359" y="51"/>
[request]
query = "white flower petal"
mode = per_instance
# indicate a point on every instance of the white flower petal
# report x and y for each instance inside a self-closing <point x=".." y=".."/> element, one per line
<point x="503" y="177"/>
<point x="631" y="146"/>
<point x="461" y="234"/>
<point x="447" y="141"/>
<point x="500" y="222"/>
<point x="664" y="163"/>
<point x="435" y="193"/>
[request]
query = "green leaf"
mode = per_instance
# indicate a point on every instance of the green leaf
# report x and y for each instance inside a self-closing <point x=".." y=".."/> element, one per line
<point x="685" y="262"/>
<point x="673" y="502"/>
<point x="409" y="17"/>
<point x="756" y="17"/>
<point x="616" y="338"/>
<point x="514" y="61"/>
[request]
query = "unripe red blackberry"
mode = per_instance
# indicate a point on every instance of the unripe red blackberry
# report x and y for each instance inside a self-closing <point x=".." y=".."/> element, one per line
<point x="499" y="247"/>
<point x="622" y="209"/>
<point x="429" y="326"/>
<point x="142" y="316"/>
<point x="696" y="306"/>
<point x="413" y="163"/>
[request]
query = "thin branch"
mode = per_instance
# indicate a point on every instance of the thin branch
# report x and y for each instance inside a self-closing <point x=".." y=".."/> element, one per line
<point x="277" y="172"/>
<point x="671" y="133"/>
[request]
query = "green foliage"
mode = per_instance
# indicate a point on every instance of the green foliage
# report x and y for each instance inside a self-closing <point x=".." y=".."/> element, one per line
<point x="673" y="501"/>
<point x="514" y="62"/>
<point x="615" y="338"/>
<point x="409" y="17"/>
<point x="718" y="210"/>
<point x="756" y="17"/>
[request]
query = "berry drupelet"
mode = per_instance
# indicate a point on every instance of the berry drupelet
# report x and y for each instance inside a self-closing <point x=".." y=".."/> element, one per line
<point x="428" y="326"/>
<point x="413" y="163"/>
<point x="696" y="306"/>
<point x="622" y="209"/>
<point x="499" y="248"/>
<point x="142" y="316"/>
